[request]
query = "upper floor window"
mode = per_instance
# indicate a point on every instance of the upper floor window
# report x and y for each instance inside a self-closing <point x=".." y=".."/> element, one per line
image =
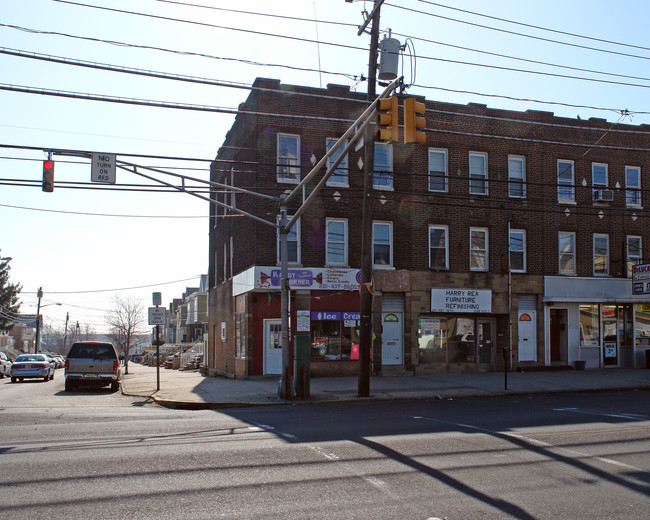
<point x="632" y="186"/>
<point x="438" y="247"/>
<point x="634" y="256"/>
<point x="567" y="252"/>
<point x="517" y="248"/>
<point x="437" y="169"/>
<point x="517" y="176"/>
<point x="293" y="244"/>
<point x="478" y="249"/>
<point x="340" y="175"/>
<point x="478" y="173"/>
<point x="566" y="191"/>
<point x="383" y="169"/>
<point x="598" y="180"/>
<point x="336" y="242"/>
<point x="382" y="244"/>
<point x="288" y="147"/>
<point x="601" y="255"/>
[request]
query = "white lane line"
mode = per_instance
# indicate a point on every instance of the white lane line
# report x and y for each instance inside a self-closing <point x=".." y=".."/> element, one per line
<point x="631" y="417"/>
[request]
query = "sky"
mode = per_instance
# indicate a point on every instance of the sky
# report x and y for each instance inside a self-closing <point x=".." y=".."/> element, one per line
<point x="87" y="243"/>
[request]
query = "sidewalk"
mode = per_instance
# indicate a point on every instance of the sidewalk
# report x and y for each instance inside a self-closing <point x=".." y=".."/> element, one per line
<point x="191" y="390"/>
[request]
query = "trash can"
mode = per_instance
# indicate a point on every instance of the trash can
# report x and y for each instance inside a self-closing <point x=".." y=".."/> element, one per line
<point x="301" y="365"/>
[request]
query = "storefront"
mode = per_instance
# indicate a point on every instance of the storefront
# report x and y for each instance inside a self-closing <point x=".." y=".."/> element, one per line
<point x="595" y="321"/>
<point x="323" y="303"/>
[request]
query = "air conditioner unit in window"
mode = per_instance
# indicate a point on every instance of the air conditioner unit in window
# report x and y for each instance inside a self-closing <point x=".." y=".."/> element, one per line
<point x="603" y="195"/>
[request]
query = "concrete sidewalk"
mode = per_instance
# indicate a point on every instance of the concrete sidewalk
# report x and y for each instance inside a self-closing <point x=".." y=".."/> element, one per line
<point x="191" y="390"/>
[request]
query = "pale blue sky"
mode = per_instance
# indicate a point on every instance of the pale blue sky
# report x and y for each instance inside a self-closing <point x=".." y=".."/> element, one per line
<point x="73" y="253"/>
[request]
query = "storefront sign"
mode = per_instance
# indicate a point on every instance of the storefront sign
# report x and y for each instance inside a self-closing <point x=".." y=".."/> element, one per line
<point x="641" y="279"/>
<point x="309" y="278"/>
<point x="325" y="316"/>
<point x="461" y="301"/>
<point x="302" y="321"/>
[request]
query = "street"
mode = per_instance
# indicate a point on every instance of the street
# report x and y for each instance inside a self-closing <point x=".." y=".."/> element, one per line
<point x="97" y="454"/>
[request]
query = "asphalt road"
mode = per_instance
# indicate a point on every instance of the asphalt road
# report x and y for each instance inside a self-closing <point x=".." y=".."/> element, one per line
<point x="97" y="454"/>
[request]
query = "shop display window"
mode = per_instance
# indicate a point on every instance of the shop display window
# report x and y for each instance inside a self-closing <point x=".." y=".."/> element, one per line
<point x="589" y="326"/>
<point x="642" y="325"/>
<point x="444" y="339"/>
<point x="335" y="339"/>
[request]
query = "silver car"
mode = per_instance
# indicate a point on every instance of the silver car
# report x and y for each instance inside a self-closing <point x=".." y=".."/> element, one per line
<point x="92" y="363"/>
<point x="5" y="365"/>
<point x="32" y="366"/>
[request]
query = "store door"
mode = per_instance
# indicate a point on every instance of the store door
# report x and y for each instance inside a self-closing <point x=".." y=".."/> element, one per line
<point x="392" y="347"/>
<point x="610" y="335"/>
<point x="272" y="346"/>
<point x="559" y="337"/>
<point x="486" y="344"/>
<point x="527" y="332"/>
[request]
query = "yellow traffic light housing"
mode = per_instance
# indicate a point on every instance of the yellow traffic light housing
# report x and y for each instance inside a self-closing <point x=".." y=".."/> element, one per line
<point x="48" y="175"/>
<point x="414" y="123"/>
<point x="388" y="119"/>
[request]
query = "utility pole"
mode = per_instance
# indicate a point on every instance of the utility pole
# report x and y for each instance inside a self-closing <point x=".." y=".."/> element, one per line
<point x="65" y="336"/>
<point x="365" y="325"/>
<point x="38" y="319"/>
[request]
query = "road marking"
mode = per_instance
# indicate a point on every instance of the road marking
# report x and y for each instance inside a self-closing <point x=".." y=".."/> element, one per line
<point x="631" y="417"/>
<point x="321" y="451"/>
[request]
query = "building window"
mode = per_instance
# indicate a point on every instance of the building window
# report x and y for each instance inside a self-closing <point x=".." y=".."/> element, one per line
<point x="598" y="178"/>
<point x="633" y="186"/>
<point x="589" y="325"/>
<point x="340" y="175"/>
<point x="516" y="176"/>
<point x="601" y="255"/>
<point x="382" y="244"/>
<point x="288" y="158"/>
<point x="383" y="170"/>
<point x="438" y="247"/>
<point x="478" y="249"/>
<point x="336" y="246"/>
<point x="517" y="247"/>
<point x="634" y="255"/>
<point x="478" y="173"/>
<point x="437" y="169"/>
<point x="566" y="191"/>
<point x="567" y="252"/>
<point x="293" y="243"/>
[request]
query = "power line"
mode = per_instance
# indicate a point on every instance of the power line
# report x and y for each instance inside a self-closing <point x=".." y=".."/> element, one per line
<point x="123" y="288"/>
<point x="104" y="214"/>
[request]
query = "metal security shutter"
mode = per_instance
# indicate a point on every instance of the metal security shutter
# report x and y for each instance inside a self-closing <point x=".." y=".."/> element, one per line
<point x="392" y="302"/>
<point x="527" y="303"/>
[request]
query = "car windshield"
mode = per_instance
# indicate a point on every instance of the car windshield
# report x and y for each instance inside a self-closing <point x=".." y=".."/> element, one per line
<point x="32" y="357"/>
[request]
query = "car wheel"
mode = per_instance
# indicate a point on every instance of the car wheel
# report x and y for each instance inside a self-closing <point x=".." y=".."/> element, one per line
<point x="20" y="379"/>
<point x="69" y="386"/>
<point x="46" y="378"/>
<point x="13" y="379"/>
<point x="52" y="377"/>
<point x="2" y="375"/>
<point x="115" y="387"/>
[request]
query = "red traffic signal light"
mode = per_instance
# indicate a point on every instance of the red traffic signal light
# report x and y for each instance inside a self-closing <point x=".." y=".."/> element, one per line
<point x="48" y="176"/>
<point x="388" y="119"/>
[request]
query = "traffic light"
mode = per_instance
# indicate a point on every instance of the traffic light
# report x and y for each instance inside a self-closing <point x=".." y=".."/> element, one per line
<point x="388" y="119"/>
<point x="48" y="175"/>
<point x="414" y="124"/>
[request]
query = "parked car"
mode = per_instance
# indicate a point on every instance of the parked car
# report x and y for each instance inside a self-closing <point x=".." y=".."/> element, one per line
<point x="59" y="360"/>
<point x="32" y="366"/>
<point x="92" y="363"/>
<point x="5" y="365"/>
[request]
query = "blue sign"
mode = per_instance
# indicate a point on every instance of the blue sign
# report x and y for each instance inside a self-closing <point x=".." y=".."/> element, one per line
<point x="352" y="316"/>
<point x="325" y="316"/>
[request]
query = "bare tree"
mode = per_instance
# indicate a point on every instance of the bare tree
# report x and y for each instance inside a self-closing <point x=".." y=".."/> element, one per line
<point x="126" y="319"/>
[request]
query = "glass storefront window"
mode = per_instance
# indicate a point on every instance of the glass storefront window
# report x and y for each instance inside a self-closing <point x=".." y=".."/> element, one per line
<point x="334" y="339"/>
<point x="443" y="339"/>
<point x="642" y="328"/>
<point x="589" y="326"/>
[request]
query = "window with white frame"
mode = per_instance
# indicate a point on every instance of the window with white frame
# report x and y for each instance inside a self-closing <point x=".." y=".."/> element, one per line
<point x="478" y="249"/>
<point x="599" y="174"/>
<point x="517" y="248"/>
<point x="478" y="173"/>
<point x="340" y="175"/>
<point x="633" y="186"/>
<point x="566" y="245"/>
<point x="438" y="247"/>
<point x="382" y="244"/>
<point x="336" y="242"/>
<point x="288" y="149"/>
<point x="383" y="168"/>
<point x="293" y="243"/>
<point x="516" y="176"/>
<point x="566" y="191"/>
<point x="634" y="254"/>
<point x="437" y="169"/>
<point x="601" y="254"/>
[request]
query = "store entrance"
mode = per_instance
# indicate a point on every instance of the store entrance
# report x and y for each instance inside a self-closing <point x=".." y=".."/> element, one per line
<point x="485" y="344"/>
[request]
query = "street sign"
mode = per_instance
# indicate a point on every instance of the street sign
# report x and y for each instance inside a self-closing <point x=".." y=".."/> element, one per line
<point x="103" y="168"/>
<point x="157" y="298"/>
<point x="157" y="315"/>
<point x="641" y="279"/>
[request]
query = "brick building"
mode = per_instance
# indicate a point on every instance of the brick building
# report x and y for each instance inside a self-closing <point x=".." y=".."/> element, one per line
<point x="505" y="228"/>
